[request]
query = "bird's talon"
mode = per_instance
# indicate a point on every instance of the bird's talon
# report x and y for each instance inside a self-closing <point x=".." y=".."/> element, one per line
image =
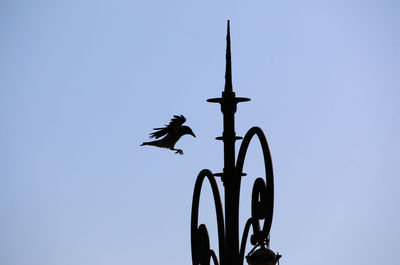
<point x="179" y="151"/>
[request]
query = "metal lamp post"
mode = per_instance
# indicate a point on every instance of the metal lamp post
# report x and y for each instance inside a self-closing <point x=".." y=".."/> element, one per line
<point x="230" y="251"/>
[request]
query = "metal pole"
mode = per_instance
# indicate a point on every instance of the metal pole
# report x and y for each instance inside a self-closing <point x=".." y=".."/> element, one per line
<point x="230" y="179"/>
<point x="228" y="108"/>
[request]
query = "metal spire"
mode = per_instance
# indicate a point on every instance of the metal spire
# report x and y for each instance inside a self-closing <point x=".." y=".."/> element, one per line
<point x="230" y="251"/>
<point x="228" y="71"/>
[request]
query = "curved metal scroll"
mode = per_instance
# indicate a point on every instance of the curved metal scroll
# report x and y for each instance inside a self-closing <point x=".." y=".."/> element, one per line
<point x="201" y="252"/>
<point x="262" y="196"/>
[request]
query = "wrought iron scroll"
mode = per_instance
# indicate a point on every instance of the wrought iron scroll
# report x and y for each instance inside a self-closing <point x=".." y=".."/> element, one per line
<point x="262" y="196"/>
<point x="201" y="252"/>
<point x="261" y="207"/>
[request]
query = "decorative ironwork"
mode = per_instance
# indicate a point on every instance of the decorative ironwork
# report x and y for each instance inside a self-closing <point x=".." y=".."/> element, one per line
<point x="230" y="252"/>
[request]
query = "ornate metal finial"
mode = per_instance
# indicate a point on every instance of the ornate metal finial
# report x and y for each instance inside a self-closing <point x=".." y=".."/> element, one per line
<point x="228" y="103"/>
<point x="231" y="251"/>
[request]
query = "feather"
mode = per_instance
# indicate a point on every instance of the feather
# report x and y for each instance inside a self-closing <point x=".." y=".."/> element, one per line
<point x="175" y="123"/>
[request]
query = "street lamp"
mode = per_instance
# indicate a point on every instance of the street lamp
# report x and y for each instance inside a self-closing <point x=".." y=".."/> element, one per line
<point x="262" y="256"/>
<point x="230" y="252"/>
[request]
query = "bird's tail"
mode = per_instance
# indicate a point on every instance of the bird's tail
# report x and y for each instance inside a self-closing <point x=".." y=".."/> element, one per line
<point x="145" y="143"/>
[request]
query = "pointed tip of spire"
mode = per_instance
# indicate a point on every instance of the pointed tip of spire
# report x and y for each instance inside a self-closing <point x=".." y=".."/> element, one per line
<point x="228" y="31"/>
<point x="228" y="72"/>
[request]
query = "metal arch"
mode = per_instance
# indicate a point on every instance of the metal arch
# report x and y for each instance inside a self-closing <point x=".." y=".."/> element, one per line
<point x="267" y="196"/>
<point x="195" y="214"/>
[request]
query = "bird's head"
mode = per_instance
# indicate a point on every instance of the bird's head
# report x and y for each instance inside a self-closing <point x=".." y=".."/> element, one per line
<point x="187" y="130"/>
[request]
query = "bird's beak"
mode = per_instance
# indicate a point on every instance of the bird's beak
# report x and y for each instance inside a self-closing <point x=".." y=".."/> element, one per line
<point x="192" y="134"/>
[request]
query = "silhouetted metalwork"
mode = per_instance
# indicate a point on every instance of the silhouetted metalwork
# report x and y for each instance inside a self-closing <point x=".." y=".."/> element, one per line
<point x="230" y="251"/>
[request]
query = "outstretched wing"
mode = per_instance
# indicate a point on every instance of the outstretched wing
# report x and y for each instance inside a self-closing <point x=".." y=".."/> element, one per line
<point x="175" y="123"/>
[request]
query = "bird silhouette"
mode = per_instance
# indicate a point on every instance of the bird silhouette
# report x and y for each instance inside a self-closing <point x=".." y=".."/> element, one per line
<point x="173" y="132"/>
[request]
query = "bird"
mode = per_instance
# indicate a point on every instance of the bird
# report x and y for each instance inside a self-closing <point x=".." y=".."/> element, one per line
<point x="172" y="133"/>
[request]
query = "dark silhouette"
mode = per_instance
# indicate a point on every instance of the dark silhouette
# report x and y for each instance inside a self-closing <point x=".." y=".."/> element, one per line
<point x="231" y="250"/>
<point x="173" y="132"/>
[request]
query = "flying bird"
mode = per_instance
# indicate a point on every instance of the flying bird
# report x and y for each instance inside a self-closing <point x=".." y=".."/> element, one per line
<point x="173" y="132"/>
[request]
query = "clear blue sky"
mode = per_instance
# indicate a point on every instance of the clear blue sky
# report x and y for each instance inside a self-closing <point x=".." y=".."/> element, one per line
<point x="82" y="83"/>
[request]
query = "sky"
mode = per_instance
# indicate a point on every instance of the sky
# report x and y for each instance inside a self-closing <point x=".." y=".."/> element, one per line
<point x="82" y="84"/>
